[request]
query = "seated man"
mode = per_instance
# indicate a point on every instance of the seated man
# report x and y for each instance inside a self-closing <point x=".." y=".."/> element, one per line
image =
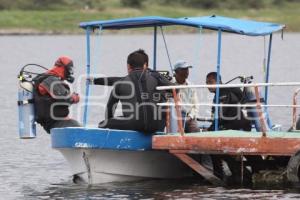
<point x="138" y="96"/>
<point x="188" y="95"/>
<point x="229" y="117"/>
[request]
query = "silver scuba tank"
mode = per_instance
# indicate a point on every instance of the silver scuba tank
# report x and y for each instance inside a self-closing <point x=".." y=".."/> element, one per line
<point x="27" y="125"/>
<point x="252" y="112"/>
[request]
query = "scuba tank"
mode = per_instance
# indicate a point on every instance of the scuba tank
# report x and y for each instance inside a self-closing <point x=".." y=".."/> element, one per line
<point x="27" y="125"/>
<point x="252" y="113"/>
<point x="250" y="98"/>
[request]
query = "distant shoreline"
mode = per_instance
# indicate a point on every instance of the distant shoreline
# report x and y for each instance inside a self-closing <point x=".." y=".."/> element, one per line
<point x="66" y="22"/>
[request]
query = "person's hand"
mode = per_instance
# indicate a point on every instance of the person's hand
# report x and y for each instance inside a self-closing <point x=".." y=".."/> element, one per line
<point x="75" y="98"/>
<point x="90" y="80"/>
<point x="188" y="118"/>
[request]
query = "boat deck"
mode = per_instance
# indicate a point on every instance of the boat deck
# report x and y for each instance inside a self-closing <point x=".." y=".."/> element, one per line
<point x="230" y="142"/>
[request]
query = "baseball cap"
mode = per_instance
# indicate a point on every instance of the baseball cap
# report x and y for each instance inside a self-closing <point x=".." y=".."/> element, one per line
<point x="181" y="64"/>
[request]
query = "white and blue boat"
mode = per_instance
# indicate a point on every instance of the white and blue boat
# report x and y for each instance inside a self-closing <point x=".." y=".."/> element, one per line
<point x="103" y="155"/>
<point x="98" y="155"/>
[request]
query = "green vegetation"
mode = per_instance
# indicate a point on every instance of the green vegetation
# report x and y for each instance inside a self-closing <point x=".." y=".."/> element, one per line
<point x="63" y="16"/>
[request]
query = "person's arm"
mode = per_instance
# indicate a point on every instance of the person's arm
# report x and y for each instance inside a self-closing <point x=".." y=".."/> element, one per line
<point x="58" y="90"/>
<point x="108" y="81"/>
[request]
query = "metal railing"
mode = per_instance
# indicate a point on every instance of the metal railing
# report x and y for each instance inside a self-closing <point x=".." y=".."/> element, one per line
<point x="258" y="105"/>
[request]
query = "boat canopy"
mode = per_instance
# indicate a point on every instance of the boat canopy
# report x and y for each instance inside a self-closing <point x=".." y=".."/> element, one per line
<point x="232" y="25"/>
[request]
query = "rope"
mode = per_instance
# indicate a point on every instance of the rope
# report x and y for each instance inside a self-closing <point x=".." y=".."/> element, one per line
<point x="166" y="47"/>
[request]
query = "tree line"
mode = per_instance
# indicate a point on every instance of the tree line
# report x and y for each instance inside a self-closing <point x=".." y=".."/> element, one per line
<point x="102" y="4"/>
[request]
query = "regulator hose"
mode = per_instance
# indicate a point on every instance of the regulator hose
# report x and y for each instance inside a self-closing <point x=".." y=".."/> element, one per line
<point x="24" y="74"/>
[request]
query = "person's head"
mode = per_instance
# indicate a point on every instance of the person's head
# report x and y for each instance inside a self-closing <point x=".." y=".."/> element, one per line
<point x="181" y="69"/>
<point x="63" y="67"/>
<point x="211" y="79"/>
<point x="137" y="60"/>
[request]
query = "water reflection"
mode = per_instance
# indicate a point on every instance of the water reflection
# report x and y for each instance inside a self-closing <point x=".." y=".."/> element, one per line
<point x="155" y="189"/>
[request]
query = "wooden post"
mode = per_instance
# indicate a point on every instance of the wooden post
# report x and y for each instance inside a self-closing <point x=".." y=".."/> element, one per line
<point x="168" y="119"/>
<point x="178" y="112"/>
<point x="207" y="174"/>
<point x="259" y="111"/>
<point x="294" y="121"/>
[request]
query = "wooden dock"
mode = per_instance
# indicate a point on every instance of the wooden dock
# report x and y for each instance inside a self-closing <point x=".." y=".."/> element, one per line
<point x="230" y="142"/>
<point x="227" y="143"/>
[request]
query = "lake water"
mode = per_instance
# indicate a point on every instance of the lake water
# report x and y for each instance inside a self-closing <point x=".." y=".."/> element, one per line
<point x="30" y="169"/>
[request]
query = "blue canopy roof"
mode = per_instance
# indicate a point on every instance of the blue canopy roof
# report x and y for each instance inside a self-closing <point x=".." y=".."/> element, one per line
<point x="232" y="25"/>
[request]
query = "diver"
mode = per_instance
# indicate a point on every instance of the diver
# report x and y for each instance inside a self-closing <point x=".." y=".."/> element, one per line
<point x="52" y="96"/>
<point x="229" y="117"/>
<point x="138" y="96"/>
<point x="188" y="95"/>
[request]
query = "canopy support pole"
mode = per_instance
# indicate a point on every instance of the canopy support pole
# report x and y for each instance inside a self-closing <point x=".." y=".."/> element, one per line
<point x="88" y="69"/>
<point x="267" y="79"/>
<point x="154" y="47"/>
<point x="216" y="115"/>
<point x="268" y="68"/>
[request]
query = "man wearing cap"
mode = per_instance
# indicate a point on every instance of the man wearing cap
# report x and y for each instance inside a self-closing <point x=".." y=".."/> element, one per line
<point x="187" y="95"/>
<point x="52" y="96"/>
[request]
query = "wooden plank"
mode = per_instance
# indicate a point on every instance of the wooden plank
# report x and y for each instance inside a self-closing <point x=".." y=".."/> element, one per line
<point x="178" y="112"/>
<point x="228" y="145"/>
<point x="259" y="111"/>
<point x="205" y="173"/>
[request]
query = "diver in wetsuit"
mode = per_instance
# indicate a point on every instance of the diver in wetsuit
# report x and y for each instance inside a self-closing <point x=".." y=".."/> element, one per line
<point x="52" y="96"/>
<point x="229" y="117"/>
<point x="138" y="96"/>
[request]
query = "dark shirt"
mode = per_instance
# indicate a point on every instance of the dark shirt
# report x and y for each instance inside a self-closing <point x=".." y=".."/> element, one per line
<point x="138" y="96"/>
<point x="230" y="117"/>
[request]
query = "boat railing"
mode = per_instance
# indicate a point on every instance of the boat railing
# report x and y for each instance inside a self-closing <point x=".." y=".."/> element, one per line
<point x="229" y="85"/>
<point x="258" y="105"/>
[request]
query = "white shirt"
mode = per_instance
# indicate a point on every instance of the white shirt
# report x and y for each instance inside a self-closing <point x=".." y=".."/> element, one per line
<point x="188" y="95"/>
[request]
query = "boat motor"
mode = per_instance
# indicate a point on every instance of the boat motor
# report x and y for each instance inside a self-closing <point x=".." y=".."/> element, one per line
<point x="27" y="125"/>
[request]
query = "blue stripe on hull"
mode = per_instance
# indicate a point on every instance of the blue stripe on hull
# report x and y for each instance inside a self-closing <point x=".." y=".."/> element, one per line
<point x="100" y="139"/>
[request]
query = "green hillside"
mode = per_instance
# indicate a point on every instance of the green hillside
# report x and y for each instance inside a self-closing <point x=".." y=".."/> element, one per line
<point x="63" y="16"/>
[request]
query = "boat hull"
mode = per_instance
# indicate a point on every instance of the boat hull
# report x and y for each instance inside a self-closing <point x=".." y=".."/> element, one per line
<point x="96" y="166"/>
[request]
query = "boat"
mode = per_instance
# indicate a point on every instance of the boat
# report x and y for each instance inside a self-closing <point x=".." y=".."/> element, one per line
<point x="103" y="155"/>
<point x="98" y="155"/>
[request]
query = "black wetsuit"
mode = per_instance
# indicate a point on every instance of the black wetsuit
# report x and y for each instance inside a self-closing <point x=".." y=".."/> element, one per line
<point x="231" y="117"/>
<point x="51" y="112"/>
<point x="138" y="96"/>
